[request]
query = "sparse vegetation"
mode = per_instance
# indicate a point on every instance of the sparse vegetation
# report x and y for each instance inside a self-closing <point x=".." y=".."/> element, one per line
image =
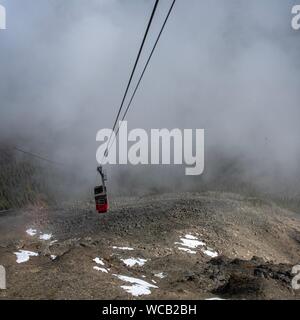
<point x="22" y="182"/>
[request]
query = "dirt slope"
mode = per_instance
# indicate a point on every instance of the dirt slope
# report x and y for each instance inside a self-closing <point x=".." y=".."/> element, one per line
<point x="191" y="246"/>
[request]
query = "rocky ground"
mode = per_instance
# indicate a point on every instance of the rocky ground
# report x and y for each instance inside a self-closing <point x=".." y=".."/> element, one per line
<point x="172" y="246"/>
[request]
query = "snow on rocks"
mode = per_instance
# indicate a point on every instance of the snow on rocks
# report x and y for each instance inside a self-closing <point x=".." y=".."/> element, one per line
<point x="189" y="236"/>
<point x="46" y="236"/>
<point x="42" y="236"/>
<point x="123" y="248"/>
<point x="24" y="255"/>
<point x="160" y="275"/>
<point x="187" y="250"/>
<point x="31" y="232"/>
<point x="131" y="262"/>
<point x="138" y="288"/>
<point x="212" y="254"/>
<point x="100" y="269"/>
<point x="190" y="243"/>
<point x="100" y="262"/>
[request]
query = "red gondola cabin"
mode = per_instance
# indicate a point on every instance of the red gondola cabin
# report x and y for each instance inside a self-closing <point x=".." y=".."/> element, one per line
<point x="101" y="194"/>
<point x="101" y="199"/>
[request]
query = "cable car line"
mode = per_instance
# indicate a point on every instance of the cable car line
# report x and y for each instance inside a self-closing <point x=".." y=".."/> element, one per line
<point x="144" y="70"/>
<point x="133" y="71"/>
<point x="37" y="156"/>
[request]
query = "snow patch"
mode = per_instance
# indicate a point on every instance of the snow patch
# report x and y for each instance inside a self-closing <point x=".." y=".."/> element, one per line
<point x="100" y="269"/>
<point x="138" y="288"/>
<point x="190" y="243"/>
<point x="212" y="254"/>
<point x="187" y="250"/>
<point x="46" y="236"/>
<point x="133" y="261"/>
<point x="31" y="232"/>
<point x="124" y="248"/>
<point x="160" y="275"/>
<point x="99" y="261"/>
<point x="189" y="236"/>
<point x="24" y="255"/>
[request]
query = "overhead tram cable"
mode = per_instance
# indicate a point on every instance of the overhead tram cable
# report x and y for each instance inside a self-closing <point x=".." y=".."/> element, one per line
<point x="144" y="70"/>
<point x="132" y="74"/>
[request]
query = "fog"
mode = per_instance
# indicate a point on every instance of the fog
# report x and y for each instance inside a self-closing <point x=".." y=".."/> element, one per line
<point x="227" y="66"/>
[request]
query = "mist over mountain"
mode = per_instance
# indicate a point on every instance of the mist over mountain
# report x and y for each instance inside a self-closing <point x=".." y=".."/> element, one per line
<point x="229" y="67"/>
